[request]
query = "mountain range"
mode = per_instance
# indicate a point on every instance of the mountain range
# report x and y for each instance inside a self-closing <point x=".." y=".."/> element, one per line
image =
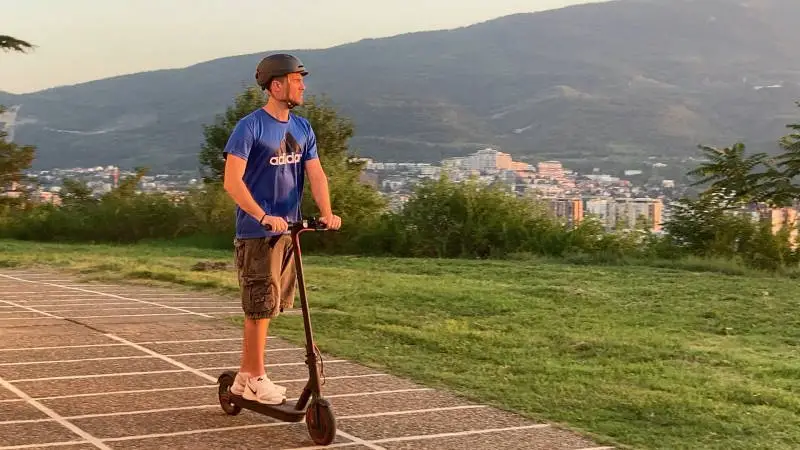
<point x="617" y="84"/>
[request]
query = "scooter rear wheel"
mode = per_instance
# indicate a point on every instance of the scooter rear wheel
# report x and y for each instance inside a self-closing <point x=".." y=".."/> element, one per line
<point x="230" y="408"/>
<point x="321" y="422"/>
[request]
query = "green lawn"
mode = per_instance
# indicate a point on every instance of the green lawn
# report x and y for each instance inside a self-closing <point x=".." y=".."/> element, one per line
<point x="650" y="358"/>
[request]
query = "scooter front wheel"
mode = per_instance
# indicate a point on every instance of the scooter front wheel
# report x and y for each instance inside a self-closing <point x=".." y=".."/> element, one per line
<point x="321" y="421"/>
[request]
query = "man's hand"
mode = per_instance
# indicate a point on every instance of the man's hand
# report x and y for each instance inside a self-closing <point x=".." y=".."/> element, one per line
<point x="276" y="224"/>
<point x="332" y="221"/>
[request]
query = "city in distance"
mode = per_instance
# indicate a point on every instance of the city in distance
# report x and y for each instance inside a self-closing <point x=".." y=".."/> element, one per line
<point x="619" y="86"/>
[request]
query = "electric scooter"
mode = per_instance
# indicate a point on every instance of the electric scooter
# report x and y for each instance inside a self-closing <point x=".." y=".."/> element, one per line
<point x="311" y="404"/>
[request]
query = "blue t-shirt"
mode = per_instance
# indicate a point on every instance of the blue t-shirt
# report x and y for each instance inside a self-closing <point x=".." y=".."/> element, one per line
<point x="276" y="152"/>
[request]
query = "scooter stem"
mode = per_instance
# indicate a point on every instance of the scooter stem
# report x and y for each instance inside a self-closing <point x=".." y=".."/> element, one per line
<point x="313" y="385"/>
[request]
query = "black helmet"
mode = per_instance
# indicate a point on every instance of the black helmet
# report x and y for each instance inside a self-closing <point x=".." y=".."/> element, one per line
<point x="278" y="65"/>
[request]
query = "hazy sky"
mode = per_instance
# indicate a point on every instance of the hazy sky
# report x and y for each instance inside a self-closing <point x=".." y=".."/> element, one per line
<point x="82" y="40"/>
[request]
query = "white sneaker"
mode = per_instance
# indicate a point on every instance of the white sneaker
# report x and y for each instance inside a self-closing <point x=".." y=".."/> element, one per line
<point x="238" y="384"/>
<point x="262" y="390"/>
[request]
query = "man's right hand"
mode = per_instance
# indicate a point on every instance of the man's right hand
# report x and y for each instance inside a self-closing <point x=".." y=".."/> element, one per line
<point x="276" y="224"/>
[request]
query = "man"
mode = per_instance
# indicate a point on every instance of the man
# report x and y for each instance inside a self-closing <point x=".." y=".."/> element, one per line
<point x="267" y="157"/>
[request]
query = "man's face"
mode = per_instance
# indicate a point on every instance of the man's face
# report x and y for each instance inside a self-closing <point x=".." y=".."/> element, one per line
<point x="292" y="88"/>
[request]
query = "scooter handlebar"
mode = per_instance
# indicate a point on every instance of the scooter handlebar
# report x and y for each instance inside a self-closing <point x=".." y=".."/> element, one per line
<point x="309" y="223"/>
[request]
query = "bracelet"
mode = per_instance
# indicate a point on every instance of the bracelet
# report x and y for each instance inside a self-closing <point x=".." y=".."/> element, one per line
<point x="261" y="220"/>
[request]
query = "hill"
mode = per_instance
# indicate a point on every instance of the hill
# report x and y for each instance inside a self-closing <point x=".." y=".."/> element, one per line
<point x="612" y="82"/>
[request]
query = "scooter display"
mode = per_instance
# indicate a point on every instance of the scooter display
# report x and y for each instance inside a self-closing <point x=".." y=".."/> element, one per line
<point x="318" y="413"/>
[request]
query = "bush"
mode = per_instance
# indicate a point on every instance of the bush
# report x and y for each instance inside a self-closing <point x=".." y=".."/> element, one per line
<point x="111" y="219"/>
<point x="119" y="216"/>
<point x="443" y="219"/>
<point x="704" y="228"/>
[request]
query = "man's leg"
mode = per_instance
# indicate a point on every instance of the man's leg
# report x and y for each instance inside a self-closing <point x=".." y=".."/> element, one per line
<point x="260" y="290"/>
<point x="253" y="346"/>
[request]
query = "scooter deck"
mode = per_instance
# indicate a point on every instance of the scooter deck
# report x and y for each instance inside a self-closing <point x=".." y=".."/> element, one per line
<point x="285" y="412"/>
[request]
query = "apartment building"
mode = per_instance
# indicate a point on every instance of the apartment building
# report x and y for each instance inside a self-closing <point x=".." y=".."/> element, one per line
<point x="627" y="213"/>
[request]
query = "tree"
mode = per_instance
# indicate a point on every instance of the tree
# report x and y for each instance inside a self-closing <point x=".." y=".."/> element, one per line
<point x="790" y="159"/>
<point x="8" y="43"/>
<point x="14" y="159"/>
<point x="788" y="165"/>
<point x="777" y="184"/>
<point x="706" y="225"/>
<point x="732" y="174"/>
<point x="128" y="185"/>
<point x="216" y="136"/>
<point x="75" y="193"/>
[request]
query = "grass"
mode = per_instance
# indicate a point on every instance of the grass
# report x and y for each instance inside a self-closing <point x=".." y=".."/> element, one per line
<point x="635" y="356"/>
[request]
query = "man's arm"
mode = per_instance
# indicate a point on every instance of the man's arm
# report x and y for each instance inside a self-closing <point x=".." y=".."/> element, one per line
<point x="319" y="186"/>
<point x="235" y="187"/>
<point x="319" y="183"/>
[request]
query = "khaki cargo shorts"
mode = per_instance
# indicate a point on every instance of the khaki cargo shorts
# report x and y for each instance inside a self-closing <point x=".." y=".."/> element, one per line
<point x="266" y="272"/>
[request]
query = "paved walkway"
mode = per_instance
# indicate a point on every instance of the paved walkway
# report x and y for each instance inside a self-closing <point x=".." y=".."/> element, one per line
<point x="87" y="366"/>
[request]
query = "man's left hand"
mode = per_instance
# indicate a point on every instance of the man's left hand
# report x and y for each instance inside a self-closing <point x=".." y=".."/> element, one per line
<point x="332" y="221"/>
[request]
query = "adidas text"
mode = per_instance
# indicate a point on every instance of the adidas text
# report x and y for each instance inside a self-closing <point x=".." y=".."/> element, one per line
<point x="292" y="158"/>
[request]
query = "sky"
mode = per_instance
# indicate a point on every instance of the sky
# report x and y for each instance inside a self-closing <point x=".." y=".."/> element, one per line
<point x="83" y="40"/>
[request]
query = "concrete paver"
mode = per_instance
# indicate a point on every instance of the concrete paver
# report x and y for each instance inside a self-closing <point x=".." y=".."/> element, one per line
<point x="546" y="438"/>
<point x="45" y="355"/>
<point x="54" y="334"/>
<point x="395" y="402"/>
<point x="179" y="325"/>
<point x="135" y="367"/>
<point x="5" y="394"/>
<point x="65" y="447"/>
<point x="164" y="422"/>
<point x="19" y="411"/>
<point x="349" y="386"/>
<point x="6" y="316"/>
<point x="82" y="368"/>
<point x="138" y="401"/>
<point x="169" y="347"/>
<point x="429" y="422"/>
<point x="34" y="433"/>
<point x="300" y="371"/>
<point x="285" y="356"/>
<point x="48" y="388"/>
<point x="25" y="322"/>
<point x="281" y="436"/>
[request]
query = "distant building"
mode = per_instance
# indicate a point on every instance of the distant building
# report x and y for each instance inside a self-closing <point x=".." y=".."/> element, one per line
<point x="569" y="209"/>
<point x="551" y="169"/>
<point x="779" y="218"/>
<point x="483" y="161"/>
<point x="627" y="213"/>
<point x="603" y="209"/>
<point x="523" y="169"/>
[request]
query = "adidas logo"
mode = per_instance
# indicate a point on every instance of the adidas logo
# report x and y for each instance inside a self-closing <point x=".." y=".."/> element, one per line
<point x="292" y="158"/>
